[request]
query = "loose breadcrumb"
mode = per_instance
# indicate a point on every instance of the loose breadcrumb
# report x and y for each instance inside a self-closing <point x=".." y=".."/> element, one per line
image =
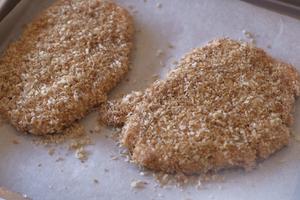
<point x="114" y="157"/>
<point x="175" y="62"/>
<point x="297" y="137"/>
<point x="155" y="77"/>
<point x="73" y="134"/>
<point x="138" y="184"/>
<point x="74" y="137"/>
<point x="96" y="181"/>
<point x="15" y="141"/>
<point x="250" y="36"/>
<point x="59" y="159"/>
<point x="81" y="154"/>
<point x="159" y="53"/>
<point x="171" y="46"/>
<point x="51" y="151"/>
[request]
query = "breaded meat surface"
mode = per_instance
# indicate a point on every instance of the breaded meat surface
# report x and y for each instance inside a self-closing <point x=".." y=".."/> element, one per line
<point x="64" y="63"/>
<point x="227" y="104"/>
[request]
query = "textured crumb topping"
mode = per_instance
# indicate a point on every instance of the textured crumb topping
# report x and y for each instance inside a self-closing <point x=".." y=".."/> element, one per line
<point x="63" y="64"/>
<point x="226" y="104"/>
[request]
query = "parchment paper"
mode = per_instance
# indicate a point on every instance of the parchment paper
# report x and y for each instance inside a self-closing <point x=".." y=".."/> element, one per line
<point x="185" y="24"/>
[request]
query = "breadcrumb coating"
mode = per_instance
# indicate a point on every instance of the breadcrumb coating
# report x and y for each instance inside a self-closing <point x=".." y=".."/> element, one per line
<point x="114" y="113"/>
<point x="64" y="64"/>
<point x="227" y="104"/>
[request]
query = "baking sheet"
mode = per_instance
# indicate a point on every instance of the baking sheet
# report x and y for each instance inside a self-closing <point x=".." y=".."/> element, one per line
<point x="185" y="24"/>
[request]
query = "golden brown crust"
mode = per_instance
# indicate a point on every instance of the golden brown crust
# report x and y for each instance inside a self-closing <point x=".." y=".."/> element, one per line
<point x="227" y="104"/>
<point x="64" y="63"/>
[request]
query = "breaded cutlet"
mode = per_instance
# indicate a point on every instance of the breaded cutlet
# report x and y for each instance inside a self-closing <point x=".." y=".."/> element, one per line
<point x="64" y="64"/>
<point x="227" y="104"/>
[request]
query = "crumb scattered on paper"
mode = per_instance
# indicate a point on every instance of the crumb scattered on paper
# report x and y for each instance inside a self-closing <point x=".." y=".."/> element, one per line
<point x="295" y="136"/>
<point x="250" y="36"/>
<point x="59" y="159"/>
<point x="138" y="184"/>
<point x="181" y="180"/>
<point x="75" y="132"/>
<point x="74" y="138"/>
<point x="114" y="157"/>
<point x="155" y="77"/>
<point x="96" y="181"/>
<point x="97" y="128"/>
<point x="81" y="154"/>
<point x="159" y="53"/>
<point x="15" y="141"/>
<point x="51" y="151"/>
<point x="171" y="46"/>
